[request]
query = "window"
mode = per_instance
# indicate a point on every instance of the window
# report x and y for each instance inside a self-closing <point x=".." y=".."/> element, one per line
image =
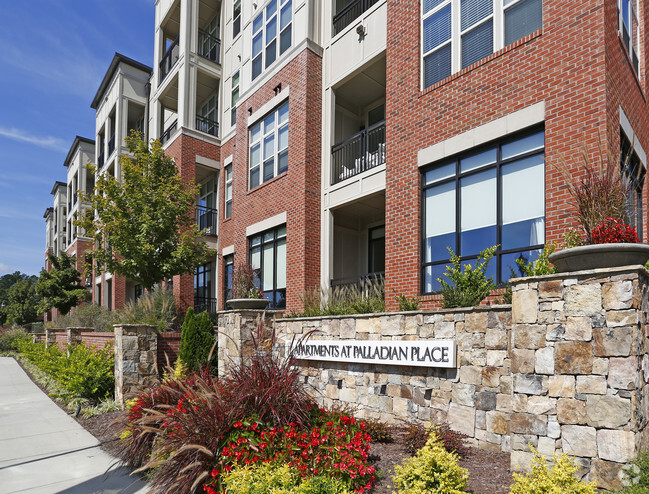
<point x="628" y="26"/>
<point x="236" y="19"/>
<point x="206" y="118"/>
<point x="235" y="97"/>
<point x="228" y="191"/>
<point x="490" y="196"/>
<point x="203" y="288"/>
<point x="266" y="46"/>
<point x="268" y="259"/>
<point x="458" y="33"/>
<point x="633" y="173"/>
<point x="269" y="146"/>
<point x="228" y="276"/>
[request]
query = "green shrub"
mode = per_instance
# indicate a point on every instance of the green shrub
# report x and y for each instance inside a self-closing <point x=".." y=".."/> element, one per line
<point x="157" y="308"/>
<point x="433" y="470"/>
<point x="93" y="316"/>
<point x="197" y="341"/>
<point x="9" y="338"/>
<point x="366" y="297"/>
<point x="407" y="304"/>
<point x="541" y="266"/>
<point x="87" y="373"/>
<point x="467" y="286"/>
<point x="272" y="478"/>
<point x="636" y="480"/>
<point x="559" y="478"/>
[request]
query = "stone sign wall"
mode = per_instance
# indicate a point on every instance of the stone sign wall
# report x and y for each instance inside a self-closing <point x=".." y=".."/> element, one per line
<point x="565" y="368"/>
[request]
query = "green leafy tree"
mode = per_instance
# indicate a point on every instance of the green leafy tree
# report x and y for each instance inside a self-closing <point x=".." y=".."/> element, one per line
<point x="143" y="225"/>
<point x="61" y="287"/>
<point x="22" y="302"/>
<point x="197" y="340"/>
<point x="6" y="282"/>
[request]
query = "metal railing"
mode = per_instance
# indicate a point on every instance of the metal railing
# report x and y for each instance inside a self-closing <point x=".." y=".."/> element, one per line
<point x="209" y="46"/>
<point x="202" y="304"/>
<point x="349" y="12"/>
<point x="100" y="160"/>
<point x="207" y="125"/>
<point x="111" y="145"/>
<point x="361" y="280"/>
<point x="207" y="220"/>
<point x="169" y="59"/>
<point x="358" y="153"/>
<point x="167" y="133"/>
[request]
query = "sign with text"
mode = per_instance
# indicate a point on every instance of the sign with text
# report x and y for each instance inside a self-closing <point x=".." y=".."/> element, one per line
<point x="430" y="353"/>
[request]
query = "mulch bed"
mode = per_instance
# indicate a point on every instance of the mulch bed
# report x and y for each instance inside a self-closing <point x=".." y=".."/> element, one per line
<point x="488" y="470"/>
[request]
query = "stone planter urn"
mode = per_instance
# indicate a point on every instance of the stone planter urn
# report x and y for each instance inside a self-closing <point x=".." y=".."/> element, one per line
<point x="597" y="256"/>
<point x="248" y="303"/>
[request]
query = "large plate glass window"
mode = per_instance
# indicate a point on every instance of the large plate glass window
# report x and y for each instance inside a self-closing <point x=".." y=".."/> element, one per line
<point x="269" y="146"/>
<point x="458" y="33"/>
<point x="203" y="300"/>
<point x="633" y="173"/>
<point x="267" y="253"/>
<point x="490" y="196"/>
<point x="271" y="34"/>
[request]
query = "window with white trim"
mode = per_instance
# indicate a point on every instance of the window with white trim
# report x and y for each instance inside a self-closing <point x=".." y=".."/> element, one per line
<point x="236" y="19"/>
<point x="633" y="173"/>
<point x="228" y="191"/>
<point x="235" y="98"/>
<point x="629" y="28"/>
<point x="492" y="195"/>
<point x="269" y="146"/>
<point x="271" y="34"/>
<point x="458" y="33"/>
<point x="267" y="253"/>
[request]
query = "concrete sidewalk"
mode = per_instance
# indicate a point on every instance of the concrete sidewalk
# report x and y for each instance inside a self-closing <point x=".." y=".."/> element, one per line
<point x="43" y="450"/>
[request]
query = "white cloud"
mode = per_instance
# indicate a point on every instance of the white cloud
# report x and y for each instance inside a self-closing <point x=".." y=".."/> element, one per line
<point x="4" y="268"/>
<point x="48" y="142"/>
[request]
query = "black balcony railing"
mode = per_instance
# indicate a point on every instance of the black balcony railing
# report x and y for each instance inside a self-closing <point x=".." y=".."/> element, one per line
<point x="366" y="283"/>
<point x="207" y="125"/>
<point x="207" y="220"/>
<point x="349" y="12"/>
<point x="167" y="133"/>
<point x="111" y="145"/>
<point x="209" y="46"/>
<point x="169" y="59"/>
<point x="202" y="304"/>
<point x="358" y="153"/>
<point x="100" y="160"/>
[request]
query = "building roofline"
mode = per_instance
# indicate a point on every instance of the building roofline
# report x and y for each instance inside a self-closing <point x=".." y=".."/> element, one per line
<point x="57" y="184"/>
<point x="117" y="59"/>
<point x="77" y="140"/>
<point x="48" y="211"/>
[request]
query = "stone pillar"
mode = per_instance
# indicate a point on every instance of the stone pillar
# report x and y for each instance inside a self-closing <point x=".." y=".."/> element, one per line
<point x="50" y="337"/>
<point x="74" y="337"/>
<point x="235" y="335"/>
<point x="136" y="360"/>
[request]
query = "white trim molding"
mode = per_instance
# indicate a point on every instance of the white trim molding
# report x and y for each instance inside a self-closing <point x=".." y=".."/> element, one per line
<point x="267" y="224"/>
<point x="227" y="250"/>
<point x="633" y="138"/>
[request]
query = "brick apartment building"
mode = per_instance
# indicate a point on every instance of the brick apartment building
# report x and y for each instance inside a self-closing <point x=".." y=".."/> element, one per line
<point x="338" y="140"/>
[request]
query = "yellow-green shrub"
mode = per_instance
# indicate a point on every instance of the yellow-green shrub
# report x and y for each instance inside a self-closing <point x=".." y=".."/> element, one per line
<point x="272" y="478"/>
<point x="558" y="479"/>
<point x="432" y="470"/>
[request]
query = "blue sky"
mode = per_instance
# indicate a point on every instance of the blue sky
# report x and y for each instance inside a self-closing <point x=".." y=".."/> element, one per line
<point x="53" y="56"/>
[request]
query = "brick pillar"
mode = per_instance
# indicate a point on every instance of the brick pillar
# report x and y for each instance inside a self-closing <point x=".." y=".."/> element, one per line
<point x="235" y="332"/>
<point x="50" y="337"/>
<point x="136" y="360"/>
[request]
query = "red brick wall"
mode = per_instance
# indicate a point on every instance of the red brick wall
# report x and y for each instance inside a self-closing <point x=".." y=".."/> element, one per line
<point x="168" y="348"/>
<point x="101" y="339"/>
<point x="565" y="64"/>
<point x="296" y="192"/>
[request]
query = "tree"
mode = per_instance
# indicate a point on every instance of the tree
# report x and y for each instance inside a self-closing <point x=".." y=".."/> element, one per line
<point x="61" y="287"/>
<point x="143" y="225"/>
<point x="197" y="340"/>
<point x="6" y="282"/>
<point x="22" y="302"/>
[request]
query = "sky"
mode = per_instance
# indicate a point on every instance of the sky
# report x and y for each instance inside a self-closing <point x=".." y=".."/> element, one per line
<point x="53" y="56"/>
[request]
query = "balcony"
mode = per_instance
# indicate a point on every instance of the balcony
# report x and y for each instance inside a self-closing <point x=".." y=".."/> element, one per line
<point x="111" y="145"/>
<point x="209" y="46"/>
<point x="169" y="59"/>
<point x="207" y="125"/>
<point x="207" y="220"/>
<point x="364" y="283"/>
<point x="358" y="153"/>
<point x="203" y="304"/>
<point x="100" y="160"/>
<point x="350" y="12"/>
<point x="167" y="133"/>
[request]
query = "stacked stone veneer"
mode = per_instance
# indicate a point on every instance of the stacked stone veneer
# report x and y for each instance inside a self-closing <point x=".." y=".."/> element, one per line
<point x="136" y="360"/>
<point x="564" y="368"/>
